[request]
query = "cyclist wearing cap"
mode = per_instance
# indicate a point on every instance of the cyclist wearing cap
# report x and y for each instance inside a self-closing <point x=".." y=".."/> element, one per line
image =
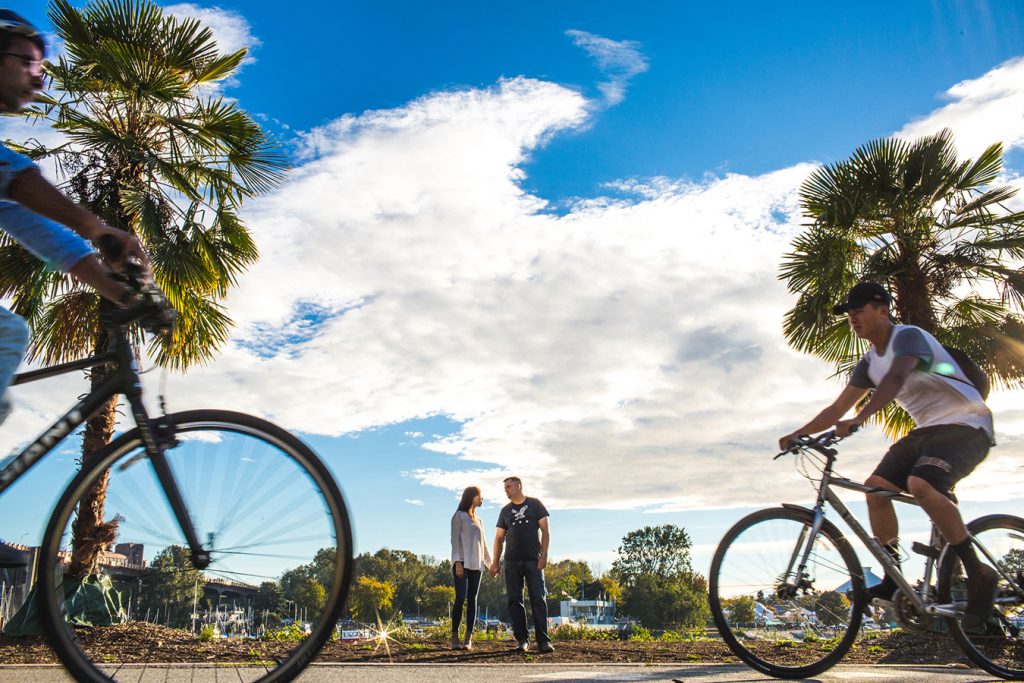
<point x="953" y="433"/>
<point x="34" y="212"/>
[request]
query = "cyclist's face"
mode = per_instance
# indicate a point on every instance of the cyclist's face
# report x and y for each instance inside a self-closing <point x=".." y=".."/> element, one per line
<point x="867" y="320"/>
<point x="20" y="78"/>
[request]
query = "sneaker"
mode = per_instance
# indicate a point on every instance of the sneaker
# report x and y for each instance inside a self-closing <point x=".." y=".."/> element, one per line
<point x="982" y="588"/>
<point x="457" y="644"/>
<point x="521" y="647"/>
<point x="12" y="558"/>
<point x="545" y="649"/>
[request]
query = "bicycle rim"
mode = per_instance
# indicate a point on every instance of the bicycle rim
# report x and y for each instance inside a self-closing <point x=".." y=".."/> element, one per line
<point x="770" y="628"/>
<point x="281" y="555"/>
<point x="998" y="645"/>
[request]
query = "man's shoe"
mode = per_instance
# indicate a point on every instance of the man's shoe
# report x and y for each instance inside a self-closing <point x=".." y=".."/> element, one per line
<point x="545" y="649"/>
<point x="522" y="647"/>
<point x="982" y="587"/>
<point x="883" y="590"/>
<point x="12" y="558"/>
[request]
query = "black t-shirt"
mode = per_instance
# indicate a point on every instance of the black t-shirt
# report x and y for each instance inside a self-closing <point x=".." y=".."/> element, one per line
<point x="520" y="522"/>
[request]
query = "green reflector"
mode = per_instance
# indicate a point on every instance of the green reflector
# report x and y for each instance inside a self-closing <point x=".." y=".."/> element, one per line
<point x="947" y="369"/>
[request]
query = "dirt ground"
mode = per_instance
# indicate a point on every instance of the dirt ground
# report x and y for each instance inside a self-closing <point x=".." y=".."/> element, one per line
<point x="145" y="642"/>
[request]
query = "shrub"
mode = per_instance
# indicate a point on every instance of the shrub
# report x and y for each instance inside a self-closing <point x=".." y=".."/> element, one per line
<point x="639" y="634"/>
<point x="207" y="633"/>
<point x="289" y="634"/>
<point x="581" y="632"/>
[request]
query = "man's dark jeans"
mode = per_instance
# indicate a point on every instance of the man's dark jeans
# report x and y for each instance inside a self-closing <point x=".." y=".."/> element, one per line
<point x="516" y="574"/>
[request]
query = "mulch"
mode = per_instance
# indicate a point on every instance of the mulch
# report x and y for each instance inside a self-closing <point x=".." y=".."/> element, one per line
<point x="140" y="642"/>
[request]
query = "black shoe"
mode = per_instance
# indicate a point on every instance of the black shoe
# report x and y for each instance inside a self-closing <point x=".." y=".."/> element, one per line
<point x="522" y="647"/>
<point x="12" y="558"/>
<point x="982" y="587"/>
<point x="545" y="649"/>
<point x="882" y="591"/>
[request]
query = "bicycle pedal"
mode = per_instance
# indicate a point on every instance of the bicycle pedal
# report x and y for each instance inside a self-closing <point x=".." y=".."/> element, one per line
<point x="925" y="549"/>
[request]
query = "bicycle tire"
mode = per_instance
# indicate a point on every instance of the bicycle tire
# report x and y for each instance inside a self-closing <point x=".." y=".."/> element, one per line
<point x="260" y="500"/>
<point x="998" y="647"/>
<point x="747" y="565"/>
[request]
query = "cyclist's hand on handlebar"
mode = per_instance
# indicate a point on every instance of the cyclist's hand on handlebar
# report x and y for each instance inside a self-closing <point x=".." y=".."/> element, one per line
<point x="788" y="440"/>
<point x="119" y="247"/>
<point x="846" y="427"/>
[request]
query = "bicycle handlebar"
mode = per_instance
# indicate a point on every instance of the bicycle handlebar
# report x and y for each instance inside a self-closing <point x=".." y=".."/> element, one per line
<point x="821" y="443"/>
<point x="152" y="311"/>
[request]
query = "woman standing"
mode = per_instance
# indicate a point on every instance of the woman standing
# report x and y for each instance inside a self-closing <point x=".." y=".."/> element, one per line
<point x="469" y="558"/>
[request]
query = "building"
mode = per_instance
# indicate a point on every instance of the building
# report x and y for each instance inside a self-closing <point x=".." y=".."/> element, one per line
<point x="590" y="612"/>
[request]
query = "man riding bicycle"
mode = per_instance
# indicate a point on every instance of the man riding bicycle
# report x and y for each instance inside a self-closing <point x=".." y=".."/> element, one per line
<point x="953" y="433"/>
<point x="34" y="212"/>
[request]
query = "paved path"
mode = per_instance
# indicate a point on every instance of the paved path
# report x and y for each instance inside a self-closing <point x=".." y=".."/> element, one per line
<point x="529" y="673"/>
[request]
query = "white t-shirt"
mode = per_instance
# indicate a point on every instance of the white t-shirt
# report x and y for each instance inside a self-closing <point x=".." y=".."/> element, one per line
<point x="937" y="392"/>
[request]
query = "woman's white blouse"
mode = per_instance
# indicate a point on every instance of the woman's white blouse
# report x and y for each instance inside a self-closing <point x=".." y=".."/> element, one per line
<point x="468" y="544"/>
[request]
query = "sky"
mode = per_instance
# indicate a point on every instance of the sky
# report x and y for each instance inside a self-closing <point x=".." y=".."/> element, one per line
<point x="544" y="240"/>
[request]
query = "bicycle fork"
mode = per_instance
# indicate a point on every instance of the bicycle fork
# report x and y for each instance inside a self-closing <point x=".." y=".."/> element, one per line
<point x="156" y="442"/>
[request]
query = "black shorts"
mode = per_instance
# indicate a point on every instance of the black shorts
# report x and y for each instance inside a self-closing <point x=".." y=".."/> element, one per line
<point x="941" y="455"/>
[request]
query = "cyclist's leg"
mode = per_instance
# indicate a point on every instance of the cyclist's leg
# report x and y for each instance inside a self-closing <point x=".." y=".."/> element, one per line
<point x="13" y="340"/>
<point x="890" y="474"/>
<point x="951" y="453"/>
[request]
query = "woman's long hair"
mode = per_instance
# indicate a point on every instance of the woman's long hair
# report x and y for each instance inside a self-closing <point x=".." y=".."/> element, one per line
<point x="466" y="504"/>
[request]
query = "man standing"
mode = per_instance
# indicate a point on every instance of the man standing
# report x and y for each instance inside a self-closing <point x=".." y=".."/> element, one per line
<point x="524" y="522"/>
<point x="953" y="434"/>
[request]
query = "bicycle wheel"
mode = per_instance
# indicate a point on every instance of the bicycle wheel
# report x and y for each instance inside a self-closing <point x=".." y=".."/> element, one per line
<point x="997" y="646"/>
<point x="265" y="508"/>
<point x="778" y="623"/>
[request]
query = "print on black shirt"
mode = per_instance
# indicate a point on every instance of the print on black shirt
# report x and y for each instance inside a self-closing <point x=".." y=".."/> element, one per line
<point x="522" y="533"/>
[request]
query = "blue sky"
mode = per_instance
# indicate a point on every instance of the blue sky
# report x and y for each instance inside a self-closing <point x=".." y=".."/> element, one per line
<point x="500" y="236"/>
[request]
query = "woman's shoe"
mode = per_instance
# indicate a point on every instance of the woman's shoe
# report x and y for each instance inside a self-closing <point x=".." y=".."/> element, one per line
<point x="456" y="645"/>
<point x="467" y="644"/>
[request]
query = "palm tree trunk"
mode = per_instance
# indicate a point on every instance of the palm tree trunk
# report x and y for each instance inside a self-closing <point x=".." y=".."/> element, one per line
<point x="913" y="299"/>
<point x="90" y="534"/>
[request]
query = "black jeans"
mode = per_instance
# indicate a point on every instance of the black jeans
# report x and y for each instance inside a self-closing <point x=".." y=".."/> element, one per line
<point x="516" y="574"/>
<point x="466" y="590"/>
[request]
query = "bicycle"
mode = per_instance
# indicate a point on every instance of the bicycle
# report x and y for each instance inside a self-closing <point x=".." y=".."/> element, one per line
<point x="233" y="501"/>
<point x="786" y="574"/>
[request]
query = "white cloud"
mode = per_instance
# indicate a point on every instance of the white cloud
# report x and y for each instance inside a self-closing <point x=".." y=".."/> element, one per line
<point x="981" y="111"/>
<point x="625" y="354"/>
<point x="231" y="30"/>
<point x="417" y="503"/>
<point x="619" y="60"/>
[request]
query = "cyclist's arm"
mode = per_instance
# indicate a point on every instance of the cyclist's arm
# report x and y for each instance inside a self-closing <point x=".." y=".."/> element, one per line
<point x="889" y="387"/>
<point x="30" y="189"/>
<point x="829" y="416"/>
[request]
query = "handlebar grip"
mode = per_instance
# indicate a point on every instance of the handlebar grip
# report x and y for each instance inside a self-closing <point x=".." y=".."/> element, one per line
<point x="111" y="248"/>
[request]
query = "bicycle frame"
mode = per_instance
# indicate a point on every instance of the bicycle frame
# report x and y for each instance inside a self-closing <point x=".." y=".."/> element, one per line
<point x="123" y="381"/>
<point x="920" y="599"/>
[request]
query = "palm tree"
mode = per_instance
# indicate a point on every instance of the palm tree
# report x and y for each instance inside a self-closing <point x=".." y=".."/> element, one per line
<point x="934" y="231"/>
<point x="151" y="148"/>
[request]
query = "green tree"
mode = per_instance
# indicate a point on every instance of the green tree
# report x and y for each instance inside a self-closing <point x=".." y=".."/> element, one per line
<point x="740" y="610"/>
<point x="408" y="573"/>
<point x="929" y="227"/>
<point x="1013" y="561"/>
<point x="310" y="597"/>
<point x="370" y="599"/>
<point x="437" y="600"/>
<point x="659" y="551"/>
<point x="269" y="598"/>
<point x="171" y="585"/>
<point x="667" y="602"/>
<point x="832" y="608"/>
<point x="149" y="149"/>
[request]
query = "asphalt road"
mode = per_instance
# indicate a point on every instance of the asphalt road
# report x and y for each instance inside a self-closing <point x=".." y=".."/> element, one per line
<point x="524" y="673"/>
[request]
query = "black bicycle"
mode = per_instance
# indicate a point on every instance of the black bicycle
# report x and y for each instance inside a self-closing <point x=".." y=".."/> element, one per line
<point x="182" y="540"/>
<point x="787" y="590"/>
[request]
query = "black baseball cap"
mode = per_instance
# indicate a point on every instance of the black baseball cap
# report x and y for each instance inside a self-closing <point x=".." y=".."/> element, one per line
<point x="862" y="294"/>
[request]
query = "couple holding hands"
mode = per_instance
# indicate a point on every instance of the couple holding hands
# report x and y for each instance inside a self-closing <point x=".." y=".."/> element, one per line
<point x="523" y="527"/>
